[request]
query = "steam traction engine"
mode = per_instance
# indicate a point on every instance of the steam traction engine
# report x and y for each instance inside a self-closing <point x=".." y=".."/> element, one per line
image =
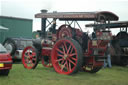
<point x="67" y="48"/>
<point x="119" y="43"/>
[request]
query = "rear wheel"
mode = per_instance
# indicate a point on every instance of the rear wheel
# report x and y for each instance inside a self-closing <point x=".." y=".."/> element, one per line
<point x="30" y="57"/>
<point x="67" y="56"/>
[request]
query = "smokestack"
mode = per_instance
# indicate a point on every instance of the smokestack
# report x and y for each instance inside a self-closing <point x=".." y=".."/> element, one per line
<point x="43" y="24"/>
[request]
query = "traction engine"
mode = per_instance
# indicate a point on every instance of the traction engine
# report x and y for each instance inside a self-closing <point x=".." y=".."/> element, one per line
<point x="68" y="49"/>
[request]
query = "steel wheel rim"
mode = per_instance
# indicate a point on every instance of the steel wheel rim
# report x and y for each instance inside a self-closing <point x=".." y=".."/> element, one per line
<point x="29" y="57"/>
<point x="64" y="57"/>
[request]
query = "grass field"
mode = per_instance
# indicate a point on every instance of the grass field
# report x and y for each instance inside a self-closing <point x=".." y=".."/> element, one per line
<point x="47" y="76"/>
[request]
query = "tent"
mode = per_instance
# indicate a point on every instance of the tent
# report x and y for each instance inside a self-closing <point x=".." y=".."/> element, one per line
<point x="2" y="35"/>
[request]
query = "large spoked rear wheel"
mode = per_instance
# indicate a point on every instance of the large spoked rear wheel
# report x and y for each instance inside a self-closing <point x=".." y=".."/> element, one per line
<point x="91" y="69"/>
<point x="30" y="57"/>
<point x="67" y="56"/>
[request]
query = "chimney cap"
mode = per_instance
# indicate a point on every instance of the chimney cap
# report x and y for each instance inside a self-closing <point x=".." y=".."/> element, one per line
<point x="44" y="11"/>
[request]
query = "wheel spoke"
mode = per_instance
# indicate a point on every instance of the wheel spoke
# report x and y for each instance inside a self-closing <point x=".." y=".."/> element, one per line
<point x="26" y="60"/>
<point x="69" y="66"/>
<point x="74" y="59"/>
<point x="31" y="62"/>
<point x="60" y="55"/>
<point x="73" y="54"/>
<point x="65" y="46"/>
<point x="72" y="62"/>
<point x="25" y="56"/>
<point x="62" y="62"/>
<point x="33" y="54"/>
<point x="34" y="59"/>
<point x="59" y="60"/>
<point x="69" y="49"/>
<point x="59" y="51"/>
<point x="63" y="66"/>
<point x="63" y="49"/>
<point x="28" y="52"/>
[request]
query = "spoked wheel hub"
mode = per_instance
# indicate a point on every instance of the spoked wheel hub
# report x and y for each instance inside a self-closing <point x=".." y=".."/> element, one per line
<point x="66" y="56"/>
<point x="30" y="57"/>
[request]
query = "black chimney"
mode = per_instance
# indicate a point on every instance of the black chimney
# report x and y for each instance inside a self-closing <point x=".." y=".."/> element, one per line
<point x="43" y="24"/>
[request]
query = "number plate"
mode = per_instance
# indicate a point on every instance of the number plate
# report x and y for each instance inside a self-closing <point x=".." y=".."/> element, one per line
<point x="1" y="65"/>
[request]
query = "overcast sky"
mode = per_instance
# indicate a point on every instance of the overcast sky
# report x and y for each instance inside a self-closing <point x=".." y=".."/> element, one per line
<point x="28" y="8"/>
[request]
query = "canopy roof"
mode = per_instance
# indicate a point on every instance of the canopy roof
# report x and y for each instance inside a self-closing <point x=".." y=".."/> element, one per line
<point x="88" y="16"/>
<point x="117" y="24"/>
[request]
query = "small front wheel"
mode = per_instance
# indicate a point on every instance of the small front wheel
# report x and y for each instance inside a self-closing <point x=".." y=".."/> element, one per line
<point x="30" y="57"/>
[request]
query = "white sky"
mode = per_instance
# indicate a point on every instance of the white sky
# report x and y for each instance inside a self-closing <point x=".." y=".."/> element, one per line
<point x="0" y="8"/>
<point x="28" y="8"/>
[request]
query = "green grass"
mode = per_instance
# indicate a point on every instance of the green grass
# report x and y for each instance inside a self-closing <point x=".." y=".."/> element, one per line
<point x="47" y="76"/>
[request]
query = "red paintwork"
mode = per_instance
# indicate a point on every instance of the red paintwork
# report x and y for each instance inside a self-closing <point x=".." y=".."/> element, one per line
<point x="78" y="32"/>
<point x="50" y="48"/>
<point x="59" y="60"/>
<point x="49" y="64"/>
<point x="90" y="58"/>
<point x="64" y="31"/>
<point x="28" y="56"/>
<point x="6" y="60"/>
<point x="46" y="52"/>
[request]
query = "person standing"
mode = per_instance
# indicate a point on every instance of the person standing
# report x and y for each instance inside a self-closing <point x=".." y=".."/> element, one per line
<point x="108" y="61"/>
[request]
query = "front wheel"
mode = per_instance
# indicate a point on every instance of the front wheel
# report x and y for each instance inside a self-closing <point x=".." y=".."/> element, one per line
<point x="67" y="56"/>
<point x="30" y="57"/>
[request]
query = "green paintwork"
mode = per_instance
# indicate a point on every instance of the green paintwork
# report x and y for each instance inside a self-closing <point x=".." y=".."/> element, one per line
<point x="18" y="27"/>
